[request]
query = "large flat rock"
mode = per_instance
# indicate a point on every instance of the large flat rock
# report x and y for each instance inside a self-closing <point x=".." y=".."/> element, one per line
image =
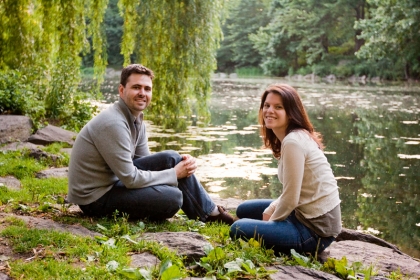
<point x="14" y="128"/>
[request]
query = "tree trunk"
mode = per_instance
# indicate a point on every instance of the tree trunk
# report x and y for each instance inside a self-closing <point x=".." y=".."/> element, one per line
<point x="360" y="14"/>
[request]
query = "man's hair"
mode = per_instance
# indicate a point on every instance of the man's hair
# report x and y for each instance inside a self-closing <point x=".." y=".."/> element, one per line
<point x="134" y="69"/>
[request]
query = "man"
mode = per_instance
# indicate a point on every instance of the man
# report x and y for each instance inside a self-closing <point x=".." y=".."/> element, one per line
<point x="111" y="167"/>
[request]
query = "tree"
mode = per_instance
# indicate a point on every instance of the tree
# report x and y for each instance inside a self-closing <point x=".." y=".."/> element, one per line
<point x="178" y="40"/>
<point x="42" y="42"/>
<point x="304" y="32"/>
<point x="392" y="34"/>
<point x="245" y="17"/>
<point x="40" y="45"/>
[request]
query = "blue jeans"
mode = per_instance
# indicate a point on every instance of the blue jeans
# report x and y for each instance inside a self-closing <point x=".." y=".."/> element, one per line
<point x="281" y="236"/>
<point x="155" y="202"/>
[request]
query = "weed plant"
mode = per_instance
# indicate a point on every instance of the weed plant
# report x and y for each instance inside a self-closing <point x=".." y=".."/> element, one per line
<point x="51" y="254"/>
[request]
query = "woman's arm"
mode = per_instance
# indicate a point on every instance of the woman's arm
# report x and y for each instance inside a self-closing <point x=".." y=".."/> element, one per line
<point x="293" y="158"/>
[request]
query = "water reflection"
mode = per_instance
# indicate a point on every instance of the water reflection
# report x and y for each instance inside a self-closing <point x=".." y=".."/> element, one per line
<point x="372" y="138"/>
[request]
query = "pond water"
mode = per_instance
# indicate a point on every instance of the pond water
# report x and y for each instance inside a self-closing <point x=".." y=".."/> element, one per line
<point x="372" y="138"/>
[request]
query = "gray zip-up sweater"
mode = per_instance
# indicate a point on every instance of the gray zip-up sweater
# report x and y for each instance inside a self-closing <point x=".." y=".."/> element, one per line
<point x="103" y="153"/>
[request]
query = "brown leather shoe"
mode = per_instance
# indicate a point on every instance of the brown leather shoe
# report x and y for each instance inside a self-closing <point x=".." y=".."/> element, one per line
<point x="223" y="217"/>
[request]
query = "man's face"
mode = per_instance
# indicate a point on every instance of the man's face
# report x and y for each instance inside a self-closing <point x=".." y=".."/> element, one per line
<point x="137" y="93"/>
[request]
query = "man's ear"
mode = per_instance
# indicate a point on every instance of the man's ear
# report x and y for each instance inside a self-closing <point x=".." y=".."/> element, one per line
<point x="120" y="89"/>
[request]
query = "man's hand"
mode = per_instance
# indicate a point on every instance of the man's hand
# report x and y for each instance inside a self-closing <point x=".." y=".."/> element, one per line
<point x="186" y="167"/>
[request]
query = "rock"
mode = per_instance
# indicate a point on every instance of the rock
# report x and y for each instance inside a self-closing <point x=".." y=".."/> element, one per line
<point x="297" y="77"/>
<point x="10" y="182"/>
<point x="40" y="154"/>
<point x="4" y="276"/>
<point x="229" y="203"/>
<point x="14" y="146"/>
<point x="349" y="234"/>
<point x="53" y="172"/>
<point x="48" y="224"/>
<point x="330" y="78"/>
<point x="312" y="78"/>
<point x="384" y="260"/>
<point x="144" y="260"/>
<point x="188" y="244"/>
<point x="298" y="272"/>
<point x="233" y="76"/>
<point x="51" y="134"/>
<point x="14" y="128"/>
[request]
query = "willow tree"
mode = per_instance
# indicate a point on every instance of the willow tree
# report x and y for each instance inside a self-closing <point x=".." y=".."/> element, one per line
<point x="40" y="47"/>
<point x="42" y="42"/>
<point x="178" y="41"/>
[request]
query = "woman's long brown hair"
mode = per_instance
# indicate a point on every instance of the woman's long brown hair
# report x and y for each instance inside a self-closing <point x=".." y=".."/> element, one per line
<point x="298" y="118"/>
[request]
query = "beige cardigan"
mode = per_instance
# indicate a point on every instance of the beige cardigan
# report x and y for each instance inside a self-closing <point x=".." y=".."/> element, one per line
<point x="309" y="186"/>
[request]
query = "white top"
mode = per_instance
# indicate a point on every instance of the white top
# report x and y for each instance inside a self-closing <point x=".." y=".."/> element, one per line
<point x="309" y="186"/>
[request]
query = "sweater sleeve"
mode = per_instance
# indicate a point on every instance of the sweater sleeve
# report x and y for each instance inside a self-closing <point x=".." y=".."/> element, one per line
<point x="113" y="143"/>
<point x="142" y="147"/>
<point x="293" y="166"/>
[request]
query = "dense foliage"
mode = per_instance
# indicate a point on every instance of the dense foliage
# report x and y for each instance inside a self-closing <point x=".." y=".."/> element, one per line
<point x="43" y="44"/>
<point x="341" y="37"/>
<point x="177" y="40"/>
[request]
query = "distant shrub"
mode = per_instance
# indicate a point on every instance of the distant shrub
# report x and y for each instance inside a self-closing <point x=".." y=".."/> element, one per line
<point x="249" y="71"/>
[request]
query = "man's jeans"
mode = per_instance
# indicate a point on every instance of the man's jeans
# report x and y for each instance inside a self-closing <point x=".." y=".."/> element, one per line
<point x="155" y="202"/>
<point x="281" y="236"/>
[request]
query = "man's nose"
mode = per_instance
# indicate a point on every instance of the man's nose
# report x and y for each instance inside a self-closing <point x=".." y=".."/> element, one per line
<point x="141" y="91"/>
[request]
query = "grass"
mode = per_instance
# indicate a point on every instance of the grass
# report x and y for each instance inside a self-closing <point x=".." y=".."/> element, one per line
<point x="50" y="254"/>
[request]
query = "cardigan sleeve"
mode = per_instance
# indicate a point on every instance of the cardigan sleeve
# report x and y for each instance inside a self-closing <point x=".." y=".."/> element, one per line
<point x="293" y="157"/>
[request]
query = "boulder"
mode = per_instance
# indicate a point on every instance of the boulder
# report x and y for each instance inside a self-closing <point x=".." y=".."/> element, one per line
<point x="10" y="182"/>
<point x="40" y="223"/>
<point x="14" y="128"/>
<point x="14" y="146"/>
<point x="187" y="244"/>
<point x="372" y="251"/>
<point x="61" y="172"/>
<point x="51" y="134"/>
<point x="144" y="260"/>
<point x="298" y="272"/>
<point x="384" y="260"/>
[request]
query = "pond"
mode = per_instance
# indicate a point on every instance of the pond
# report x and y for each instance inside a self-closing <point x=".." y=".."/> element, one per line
<point x="372" y="138"/>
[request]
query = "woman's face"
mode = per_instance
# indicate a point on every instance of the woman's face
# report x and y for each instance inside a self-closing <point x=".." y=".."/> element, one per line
<point x="274" y="114"/>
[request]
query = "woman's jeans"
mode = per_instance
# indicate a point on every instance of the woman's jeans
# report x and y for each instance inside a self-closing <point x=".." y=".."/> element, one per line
<point x="155" y="202"/>
<point x="281" y="236"/>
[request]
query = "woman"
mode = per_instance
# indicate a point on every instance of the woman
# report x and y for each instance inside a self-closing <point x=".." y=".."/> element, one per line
<point x="307" y="216"/>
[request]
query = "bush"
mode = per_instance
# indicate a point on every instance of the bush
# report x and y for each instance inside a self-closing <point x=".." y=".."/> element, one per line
<point x="322" y="69"/>
<point x="66" y="106"/>
<point x="18" y="97"/>
<point x="249" y="71"/>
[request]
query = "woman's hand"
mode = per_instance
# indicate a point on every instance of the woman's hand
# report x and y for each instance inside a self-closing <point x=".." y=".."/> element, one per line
<point x="266" y="217"/>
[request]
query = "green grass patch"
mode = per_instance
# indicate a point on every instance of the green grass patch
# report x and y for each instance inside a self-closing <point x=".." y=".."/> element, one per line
<point x="19" y="164"/>
<point x="36" y="194"/>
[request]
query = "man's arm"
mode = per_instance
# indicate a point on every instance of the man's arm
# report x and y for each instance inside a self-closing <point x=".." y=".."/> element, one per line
<point x="113" y="142"/>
